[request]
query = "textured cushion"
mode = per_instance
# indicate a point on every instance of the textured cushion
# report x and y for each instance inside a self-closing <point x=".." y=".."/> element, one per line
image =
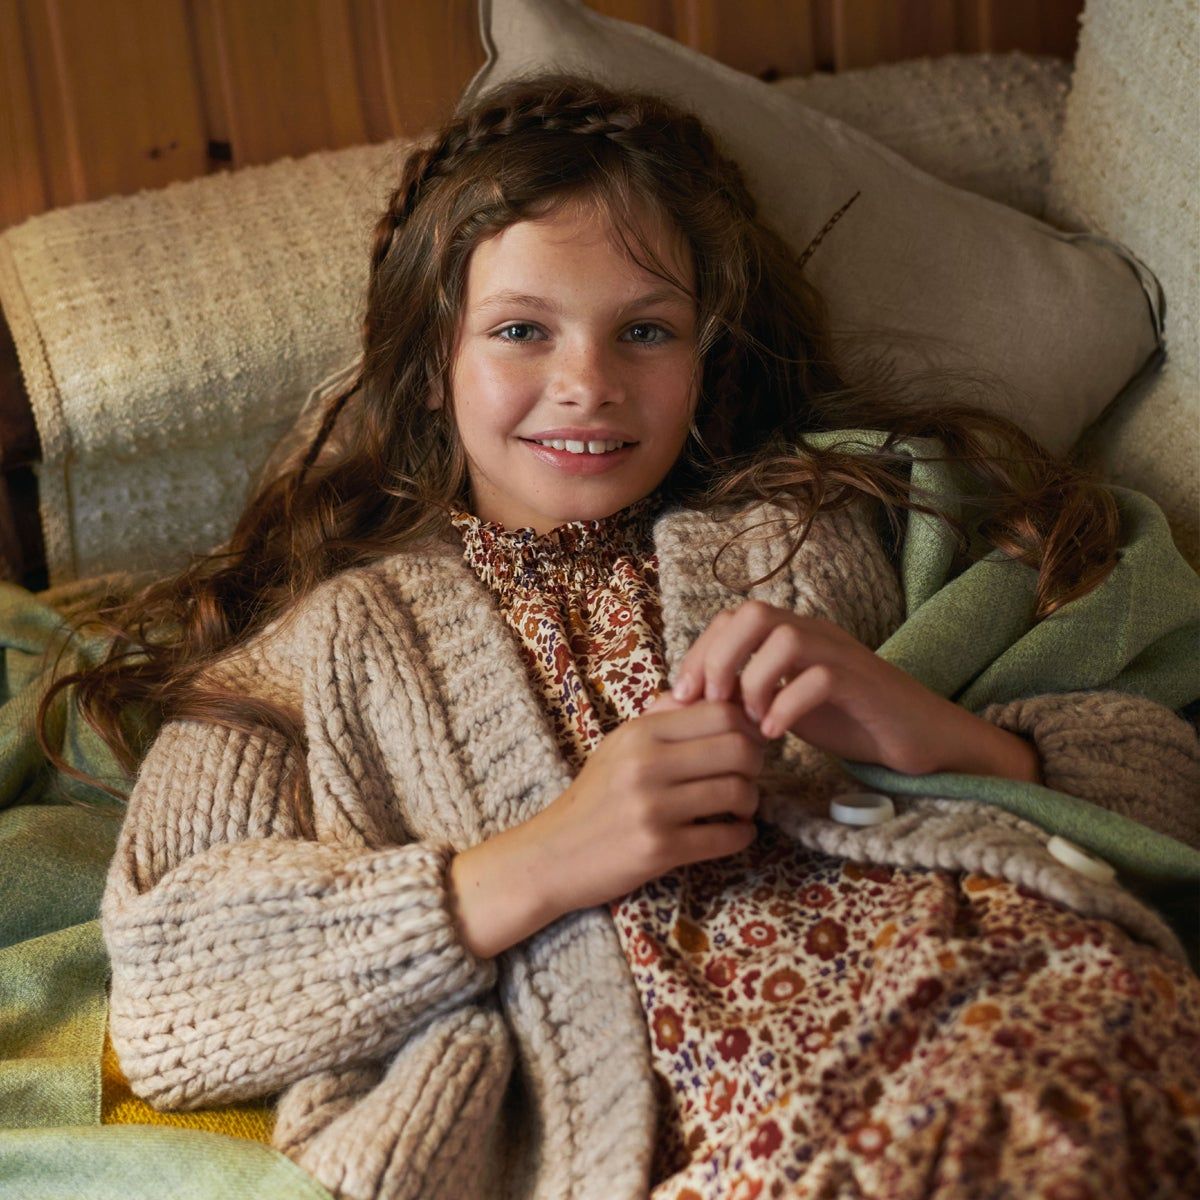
<point x="167" y="339"/>
<point x="1129" y="164"/>
<point x="989" y="123"/>
<point x="1061" y="325"/>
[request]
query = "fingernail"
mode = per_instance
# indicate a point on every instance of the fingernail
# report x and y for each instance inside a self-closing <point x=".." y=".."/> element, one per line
<point x="683" y="688"/>
<point x="770" y="729"/>
<point x="753" y="713"/>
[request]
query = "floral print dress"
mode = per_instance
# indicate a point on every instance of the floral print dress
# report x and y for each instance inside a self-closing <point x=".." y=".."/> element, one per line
<point x="826" y="1028"/>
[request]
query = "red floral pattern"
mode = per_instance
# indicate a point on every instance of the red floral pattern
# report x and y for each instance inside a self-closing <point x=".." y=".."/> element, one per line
<point x="821" y="1027"/>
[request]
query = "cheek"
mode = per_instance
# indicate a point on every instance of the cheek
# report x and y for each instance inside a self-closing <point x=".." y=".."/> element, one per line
<point x="491" y="391"/>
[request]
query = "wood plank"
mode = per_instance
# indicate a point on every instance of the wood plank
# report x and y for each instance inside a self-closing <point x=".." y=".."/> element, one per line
<point x="368" y="21"/>
<point x="865" y="32"/>
<point x="658" y="15"/>
<point x="768" y="39"/>
<point x="417" y="58"/>
<point x="116" y="92"/>
<point x="24" y="190"/>
<point x="1035" y="26"/>
<point x="214" y="99"/>
<point x="287" y="76"/>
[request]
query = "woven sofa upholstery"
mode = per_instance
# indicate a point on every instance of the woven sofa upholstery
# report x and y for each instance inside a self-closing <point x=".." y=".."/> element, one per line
<point x="1127" y="165"/>
<point x="226" y="299"/>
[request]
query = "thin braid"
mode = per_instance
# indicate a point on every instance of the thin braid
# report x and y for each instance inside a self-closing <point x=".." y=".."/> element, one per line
<point x="327" y="423"/>
<point x="837" y="216"/>
<point x="466" y="137"/>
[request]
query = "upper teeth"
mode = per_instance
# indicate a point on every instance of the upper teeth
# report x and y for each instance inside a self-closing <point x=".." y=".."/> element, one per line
<point x="581" y="447"/>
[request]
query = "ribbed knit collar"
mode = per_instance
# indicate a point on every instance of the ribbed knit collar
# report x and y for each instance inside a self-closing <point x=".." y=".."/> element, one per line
<point x="574" y="555"/>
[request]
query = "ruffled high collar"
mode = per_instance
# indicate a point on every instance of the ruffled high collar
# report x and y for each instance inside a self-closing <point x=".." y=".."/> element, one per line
<point x="575" y="555"/>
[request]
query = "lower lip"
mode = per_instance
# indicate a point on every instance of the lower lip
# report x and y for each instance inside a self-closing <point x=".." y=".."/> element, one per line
<point x="580" y="464"/>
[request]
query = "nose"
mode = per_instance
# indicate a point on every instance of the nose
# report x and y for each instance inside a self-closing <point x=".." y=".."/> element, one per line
<point x="586" y="375"/>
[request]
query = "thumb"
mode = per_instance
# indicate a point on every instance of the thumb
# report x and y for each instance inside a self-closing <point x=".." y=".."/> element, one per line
<point x="663" y="702"/>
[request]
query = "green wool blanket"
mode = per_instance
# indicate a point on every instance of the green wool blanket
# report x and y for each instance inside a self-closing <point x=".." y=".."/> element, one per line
<point x="968" y="635"/>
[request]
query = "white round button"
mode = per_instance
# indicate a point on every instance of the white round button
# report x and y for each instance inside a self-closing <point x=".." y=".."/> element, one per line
<point x="1080" y="860"/>
<point x="861" y="808"/>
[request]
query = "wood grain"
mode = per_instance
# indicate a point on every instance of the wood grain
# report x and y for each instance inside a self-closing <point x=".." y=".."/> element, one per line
<point x="24" y="187"/>
<point x="282" y="76"/>
<point x="104" y="97"/>
<point x="116" y="96"/>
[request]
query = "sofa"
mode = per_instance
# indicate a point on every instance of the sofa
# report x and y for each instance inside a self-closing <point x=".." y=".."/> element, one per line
<point x="162" y="345"/>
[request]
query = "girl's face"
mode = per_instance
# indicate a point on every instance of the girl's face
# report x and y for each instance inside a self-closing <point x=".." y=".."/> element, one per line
<point x="562" y="337"/>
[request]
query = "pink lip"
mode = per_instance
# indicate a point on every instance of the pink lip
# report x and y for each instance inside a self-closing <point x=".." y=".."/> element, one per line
<point x="579" y="464"/>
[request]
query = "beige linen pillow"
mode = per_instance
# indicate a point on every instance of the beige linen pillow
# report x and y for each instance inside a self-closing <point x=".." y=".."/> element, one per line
<point x="1059" y="324"/>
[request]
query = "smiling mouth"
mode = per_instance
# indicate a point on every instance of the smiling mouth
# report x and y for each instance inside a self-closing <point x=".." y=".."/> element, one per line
<point x="565" y="447"/>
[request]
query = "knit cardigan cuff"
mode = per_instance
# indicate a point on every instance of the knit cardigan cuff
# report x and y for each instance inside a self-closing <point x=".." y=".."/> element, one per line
<point x="256" y="963"/>
<point x="1124" y="752"/>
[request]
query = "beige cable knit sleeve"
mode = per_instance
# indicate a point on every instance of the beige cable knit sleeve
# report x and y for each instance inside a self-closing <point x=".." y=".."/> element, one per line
<point x="1124" y="752"/>
<point x="243" y="958"/>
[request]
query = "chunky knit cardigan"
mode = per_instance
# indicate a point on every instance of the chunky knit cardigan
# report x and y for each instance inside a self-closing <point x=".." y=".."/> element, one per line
<point x="247" y="961"/>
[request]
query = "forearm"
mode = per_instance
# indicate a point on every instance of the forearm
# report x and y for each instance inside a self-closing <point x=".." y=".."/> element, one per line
<point x="986" y="749"/>
<point x="497" y="892"/>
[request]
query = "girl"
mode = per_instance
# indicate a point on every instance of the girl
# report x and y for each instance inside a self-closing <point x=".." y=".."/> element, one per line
<point x="425" y="851"/>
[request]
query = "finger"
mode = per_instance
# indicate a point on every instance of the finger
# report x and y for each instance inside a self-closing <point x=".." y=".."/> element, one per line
<point x="810" y="689"/>
<point x="724" y="655"/>
<point x="689" y="677"/>
<point x="713" y="797"/>
<point x="679" y="722"/>
<point x="788" y="651"/>
<point x="699" y="843"/>
<point x="736" y="753"/>
<point x="665" y="702"/>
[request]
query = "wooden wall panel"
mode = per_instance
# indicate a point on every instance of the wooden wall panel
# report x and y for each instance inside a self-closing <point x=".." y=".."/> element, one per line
<point x="865" y="32"/>
<point x="116" y="95"/>
<point x="414" y="60"/>
<point x="1012" y="24"/>
<point x="659" y="15"/>
<point x="764" y="38"/>
<point x="108" y="96"/>
<point x="284" y="75"/>
<point x="24" y="189"/>
<point x="858" y="33"/>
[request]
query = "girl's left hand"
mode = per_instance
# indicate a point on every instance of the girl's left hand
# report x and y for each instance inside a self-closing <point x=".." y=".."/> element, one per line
<point x="841" y="697"/>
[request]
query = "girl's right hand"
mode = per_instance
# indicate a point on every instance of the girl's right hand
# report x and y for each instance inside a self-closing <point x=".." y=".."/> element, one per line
<point x="651" y="797"/>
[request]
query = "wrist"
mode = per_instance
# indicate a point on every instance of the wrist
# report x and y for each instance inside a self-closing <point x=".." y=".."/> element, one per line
<point x="990" y="750"/>
<point x="1017" y="758"/>
<point x="498" y="894"/>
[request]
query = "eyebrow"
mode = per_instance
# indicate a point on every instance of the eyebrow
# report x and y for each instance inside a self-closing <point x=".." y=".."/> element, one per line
<point x="522" y="299"/>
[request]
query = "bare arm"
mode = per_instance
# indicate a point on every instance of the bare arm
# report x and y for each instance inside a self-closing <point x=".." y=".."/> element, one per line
<point x="498" y="892"/>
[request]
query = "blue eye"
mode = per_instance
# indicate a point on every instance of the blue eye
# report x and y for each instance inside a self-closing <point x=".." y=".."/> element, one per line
<point x="666" y="336"/>
<point x="499" y="334"/>
<point x="514" y="325"/>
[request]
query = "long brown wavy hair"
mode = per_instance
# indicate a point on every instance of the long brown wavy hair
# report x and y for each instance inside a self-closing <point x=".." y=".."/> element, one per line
<point x="383" y="469"/>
